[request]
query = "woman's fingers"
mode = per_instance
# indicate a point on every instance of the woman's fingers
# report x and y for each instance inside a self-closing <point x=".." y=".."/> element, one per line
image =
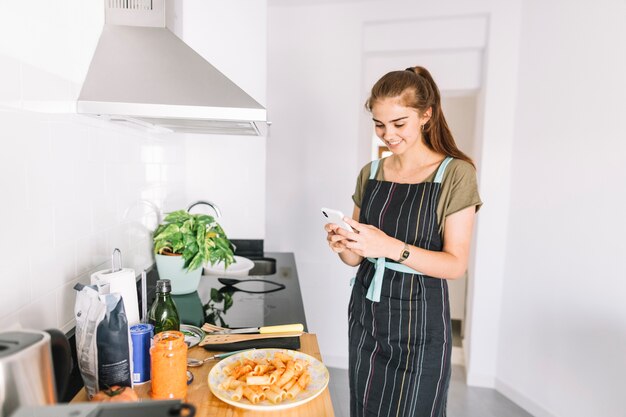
<point x="355" y="225"/>
<point x="347" y="234"/>
<point x="335" y="238"/>
<point x="351" y="244"/>
<point x="338" y="248"/>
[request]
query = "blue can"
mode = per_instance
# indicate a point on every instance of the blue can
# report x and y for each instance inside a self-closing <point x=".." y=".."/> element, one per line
<point x="141" y="336"/>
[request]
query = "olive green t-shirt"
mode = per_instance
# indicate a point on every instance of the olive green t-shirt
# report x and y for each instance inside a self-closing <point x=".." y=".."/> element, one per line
<point x="459" y="188"/>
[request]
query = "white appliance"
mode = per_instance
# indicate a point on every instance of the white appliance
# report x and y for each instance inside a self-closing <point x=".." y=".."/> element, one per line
<point x="144" y="75"/>
<point x="34" y="367"/>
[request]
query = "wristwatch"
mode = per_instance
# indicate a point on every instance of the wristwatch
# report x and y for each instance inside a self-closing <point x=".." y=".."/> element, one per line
<point x="404" y="255"/>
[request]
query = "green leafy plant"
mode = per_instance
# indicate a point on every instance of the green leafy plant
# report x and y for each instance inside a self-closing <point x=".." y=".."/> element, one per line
<point x="198" y="238"/>
<point x="213" y="311"/>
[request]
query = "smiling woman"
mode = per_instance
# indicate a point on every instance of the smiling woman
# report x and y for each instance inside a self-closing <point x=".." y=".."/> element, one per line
<point x="413" y="219"/>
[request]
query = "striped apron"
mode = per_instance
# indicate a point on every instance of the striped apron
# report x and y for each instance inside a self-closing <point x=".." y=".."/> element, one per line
<point x="400" y="338"/>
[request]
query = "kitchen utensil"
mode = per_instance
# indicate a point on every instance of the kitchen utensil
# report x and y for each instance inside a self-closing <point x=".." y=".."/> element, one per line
<point x="284" y="328"/>
<point x="144" y="297"/>
<point x="27" y="376"/>
<point x="240" y="268"/>
<point x="317" y="370"/>
<point x="208" y="327"/>
<point x="221" y="339"/>
<point x="193" y="334"/>
<point x="232" y="282"/>
<point x="192" y="363"/>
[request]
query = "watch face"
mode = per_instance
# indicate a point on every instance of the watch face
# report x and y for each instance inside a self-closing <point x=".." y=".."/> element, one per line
<point x="405" y="254"/>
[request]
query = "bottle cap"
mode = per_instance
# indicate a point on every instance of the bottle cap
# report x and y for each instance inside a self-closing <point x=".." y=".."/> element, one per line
<point x="163" y="285"/>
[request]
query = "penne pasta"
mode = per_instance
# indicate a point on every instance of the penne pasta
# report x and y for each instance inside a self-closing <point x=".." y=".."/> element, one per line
<point x="252" y="396"/>
<point x="228" y="369"/>
<point x="293" y="391"/>
<point x="275" y="379"/>
<point x="262" y="369"/>
<point x="278" y="363"/>
<point x="289" y="384"/>
<point x="241" y="371"/>
<point x="249" y="362"/>
<point x="275" y="397"/>
<point x="225" y="384"/>
<point x="285" y="377"/>
<point x="234" y="383"/>
<point x="237" y="394"/>
<point x="276" y="388"/>
<point x="304" y="380"/>
<point x="282" y="356"/>
<point x="276" y="374"/>
<point x="300" y="365"/>
<point x="258" y="380"/>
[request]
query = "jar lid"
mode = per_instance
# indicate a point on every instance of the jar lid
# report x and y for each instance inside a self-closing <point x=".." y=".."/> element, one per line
<point x="141" y="328"/>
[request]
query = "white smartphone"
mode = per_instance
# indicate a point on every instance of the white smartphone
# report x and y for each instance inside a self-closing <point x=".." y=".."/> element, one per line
<point x="336" y="216"/>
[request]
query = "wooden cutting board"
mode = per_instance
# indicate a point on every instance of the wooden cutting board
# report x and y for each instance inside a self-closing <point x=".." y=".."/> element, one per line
<point x="218" y="339"/>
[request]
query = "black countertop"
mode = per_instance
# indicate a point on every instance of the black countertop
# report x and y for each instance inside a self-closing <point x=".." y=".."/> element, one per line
<point x="259" y="300"/>
<point x="276" y="306"/>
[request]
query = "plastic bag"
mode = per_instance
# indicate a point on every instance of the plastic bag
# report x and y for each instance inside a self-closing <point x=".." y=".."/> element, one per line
<point x="103" y="343"/>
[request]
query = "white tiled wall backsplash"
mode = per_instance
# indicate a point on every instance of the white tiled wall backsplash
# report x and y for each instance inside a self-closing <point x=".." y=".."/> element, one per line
<point x="72" y="189"/>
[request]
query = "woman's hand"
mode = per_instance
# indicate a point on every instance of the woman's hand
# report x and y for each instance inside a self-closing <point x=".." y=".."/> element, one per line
<point x="367" y="241"/>
<point x="336" y="242"/>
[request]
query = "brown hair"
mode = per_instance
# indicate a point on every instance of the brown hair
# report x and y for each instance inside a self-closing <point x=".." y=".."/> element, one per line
<point x="417" y="89"/>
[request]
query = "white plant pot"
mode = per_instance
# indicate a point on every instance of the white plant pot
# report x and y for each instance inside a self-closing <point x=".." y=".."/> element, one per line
<point x="171" y="267"/>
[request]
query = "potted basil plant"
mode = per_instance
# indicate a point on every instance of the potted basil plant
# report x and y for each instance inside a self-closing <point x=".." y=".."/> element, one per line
<point x="183" y="243"/>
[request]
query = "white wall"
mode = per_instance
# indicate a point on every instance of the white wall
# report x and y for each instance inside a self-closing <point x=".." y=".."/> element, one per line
<point x="313" y="97"/>
<point x="320" y="137"/>
<point x="70" y="187"/>
<point x="460" y="113"/>
<point x="547" y="320"/>
<point x="563" y="323"/>
<point x="229" y="170"/>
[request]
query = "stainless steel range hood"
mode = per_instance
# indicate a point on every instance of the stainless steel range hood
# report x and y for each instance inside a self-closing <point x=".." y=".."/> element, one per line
<point x="144" y="75"/>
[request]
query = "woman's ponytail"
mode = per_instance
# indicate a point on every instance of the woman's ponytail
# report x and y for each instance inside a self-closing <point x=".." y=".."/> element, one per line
<point x="416" y="87"/>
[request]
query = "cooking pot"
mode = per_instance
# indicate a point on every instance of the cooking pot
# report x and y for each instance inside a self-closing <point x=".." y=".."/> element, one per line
<point x="27" y="373"/>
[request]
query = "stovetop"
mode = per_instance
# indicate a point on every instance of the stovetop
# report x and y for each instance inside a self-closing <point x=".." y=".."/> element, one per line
<point x="254" y="301"/>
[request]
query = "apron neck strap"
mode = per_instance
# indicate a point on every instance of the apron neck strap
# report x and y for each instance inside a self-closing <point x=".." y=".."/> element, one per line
<point x="442" y="169"/>
<point x="438" y="176"/>
<point x="374" y="168"/>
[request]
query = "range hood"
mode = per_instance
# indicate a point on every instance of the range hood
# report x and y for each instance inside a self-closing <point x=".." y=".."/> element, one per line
<point x="144" y="75"/>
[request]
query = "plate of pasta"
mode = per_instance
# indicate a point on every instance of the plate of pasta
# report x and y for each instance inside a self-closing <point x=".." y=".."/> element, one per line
<point x="268" y="379"/>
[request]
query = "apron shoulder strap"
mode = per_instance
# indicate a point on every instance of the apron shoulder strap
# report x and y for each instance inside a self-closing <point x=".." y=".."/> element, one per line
<point x="374" y="168"/>
<point x="442" y="169"/>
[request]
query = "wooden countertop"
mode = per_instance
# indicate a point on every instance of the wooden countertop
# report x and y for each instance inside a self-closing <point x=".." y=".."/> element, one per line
<point x="207" y="405"/>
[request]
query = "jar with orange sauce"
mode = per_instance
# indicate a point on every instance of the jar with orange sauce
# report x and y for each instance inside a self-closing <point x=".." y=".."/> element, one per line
<point x="168" y="359"/>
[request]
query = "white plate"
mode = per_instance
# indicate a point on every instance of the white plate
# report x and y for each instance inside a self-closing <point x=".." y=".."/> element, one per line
<point x="319" y="380"/>
<point x="240" y="268"/>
